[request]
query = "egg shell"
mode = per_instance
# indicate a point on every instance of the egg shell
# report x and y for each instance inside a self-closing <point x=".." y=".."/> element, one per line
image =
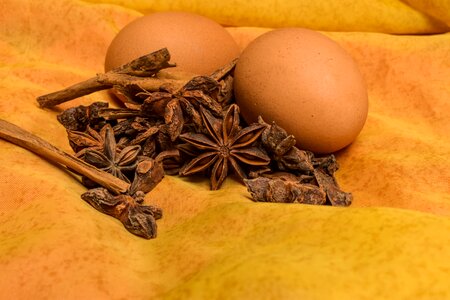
<point x="307" y="84"/>
<point x="197" y="45"/>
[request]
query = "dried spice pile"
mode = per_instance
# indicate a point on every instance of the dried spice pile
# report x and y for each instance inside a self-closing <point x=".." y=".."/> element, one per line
<point x="184" y="126"/>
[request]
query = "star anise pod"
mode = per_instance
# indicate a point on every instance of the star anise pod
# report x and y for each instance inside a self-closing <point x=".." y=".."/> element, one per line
<point x="111" y="160"/>
<point x="82" y="141"/>
<point x="145" y="135"/>
<point x="284" y="187"/>
<point x="328" y="183"/>
<point x="182" y="107"/>
<point x="281" y="147"/>
<point x="137" y="218"/>
<point x="225" y="143"/>
<point x="79" y="117"/>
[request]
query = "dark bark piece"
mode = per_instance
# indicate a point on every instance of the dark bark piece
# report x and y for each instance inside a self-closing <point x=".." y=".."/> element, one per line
<point x="330" y="186"/>
<point x="147" y="65"/>
<point x="74" y="118"/>
<point x="199" y="98"/>
<point x="163" y="140"/>
<point x="284" y="189"/>
<point x="125" y="128"/>
<point x="149" y="147"/>
<point x="149" y="172"/>
<point x="174" y="119"/>
<point x="118" y="113"/>
<point x="155" y="103"/>
<point x="295" y="160"/>
<point x="309" y="194"/>
<point x="137" y="73"/>
<point x="224" y="71"/>
<point x="172" y="165"/>
<point x="144" y="136"/>
<point x="191" y="113"/>
<point x="327" y="163"/>
<point x="259" y="171"/>
<point x="225" y="95"/>
<point x="204" y="84"/>
<point x="275" y="139"/>
<point x="80" y="117"/>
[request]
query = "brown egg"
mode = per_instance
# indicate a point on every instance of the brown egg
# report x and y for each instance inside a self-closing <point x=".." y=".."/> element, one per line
<point x="197" y="44"/>
<point x="307" y="84"/>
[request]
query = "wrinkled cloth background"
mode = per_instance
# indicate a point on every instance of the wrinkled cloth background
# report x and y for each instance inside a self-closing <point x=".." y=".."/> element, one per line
<point x="392" y="243"/>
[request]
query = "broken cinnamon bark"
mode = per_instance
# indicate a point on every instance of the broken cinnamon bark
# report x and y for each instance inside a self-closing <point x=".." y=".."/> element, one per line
<point x="139" y="72"/>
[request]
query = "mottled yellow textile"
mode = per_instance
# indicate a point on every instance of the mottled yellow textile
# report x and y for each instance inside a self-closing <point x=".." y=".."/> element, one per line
<point x="392" y="243"/>
<point x="389" y="16"/>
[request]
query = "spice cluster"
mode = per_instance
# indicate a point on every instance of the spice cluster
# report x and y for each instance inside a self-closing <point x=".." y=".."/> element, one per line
<point x="184" y="126"/>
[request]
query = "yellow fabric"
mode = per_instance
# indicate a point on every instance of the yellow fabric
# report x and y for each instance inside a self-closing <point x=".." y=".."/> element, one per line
<point x="392" y="243"/>
<point x="390" y="16"/>
<point x="439" y="9"/>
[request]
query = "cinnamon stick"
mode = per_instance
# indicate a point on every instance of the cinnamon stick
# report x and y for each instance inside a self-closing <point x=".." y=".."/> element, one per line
<point x="33" y="143"/>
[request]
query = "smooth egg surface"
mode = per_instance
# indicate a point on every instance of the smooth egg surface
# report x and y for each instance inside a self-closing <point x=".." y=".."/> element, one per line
<point x="197" y="45"/>
<point x="305" y="82"/>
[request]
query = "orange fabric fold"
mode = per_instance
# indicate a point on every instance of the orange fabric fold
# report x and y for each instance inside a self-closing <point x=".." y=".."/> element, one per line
<point x="391" y="243"/>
